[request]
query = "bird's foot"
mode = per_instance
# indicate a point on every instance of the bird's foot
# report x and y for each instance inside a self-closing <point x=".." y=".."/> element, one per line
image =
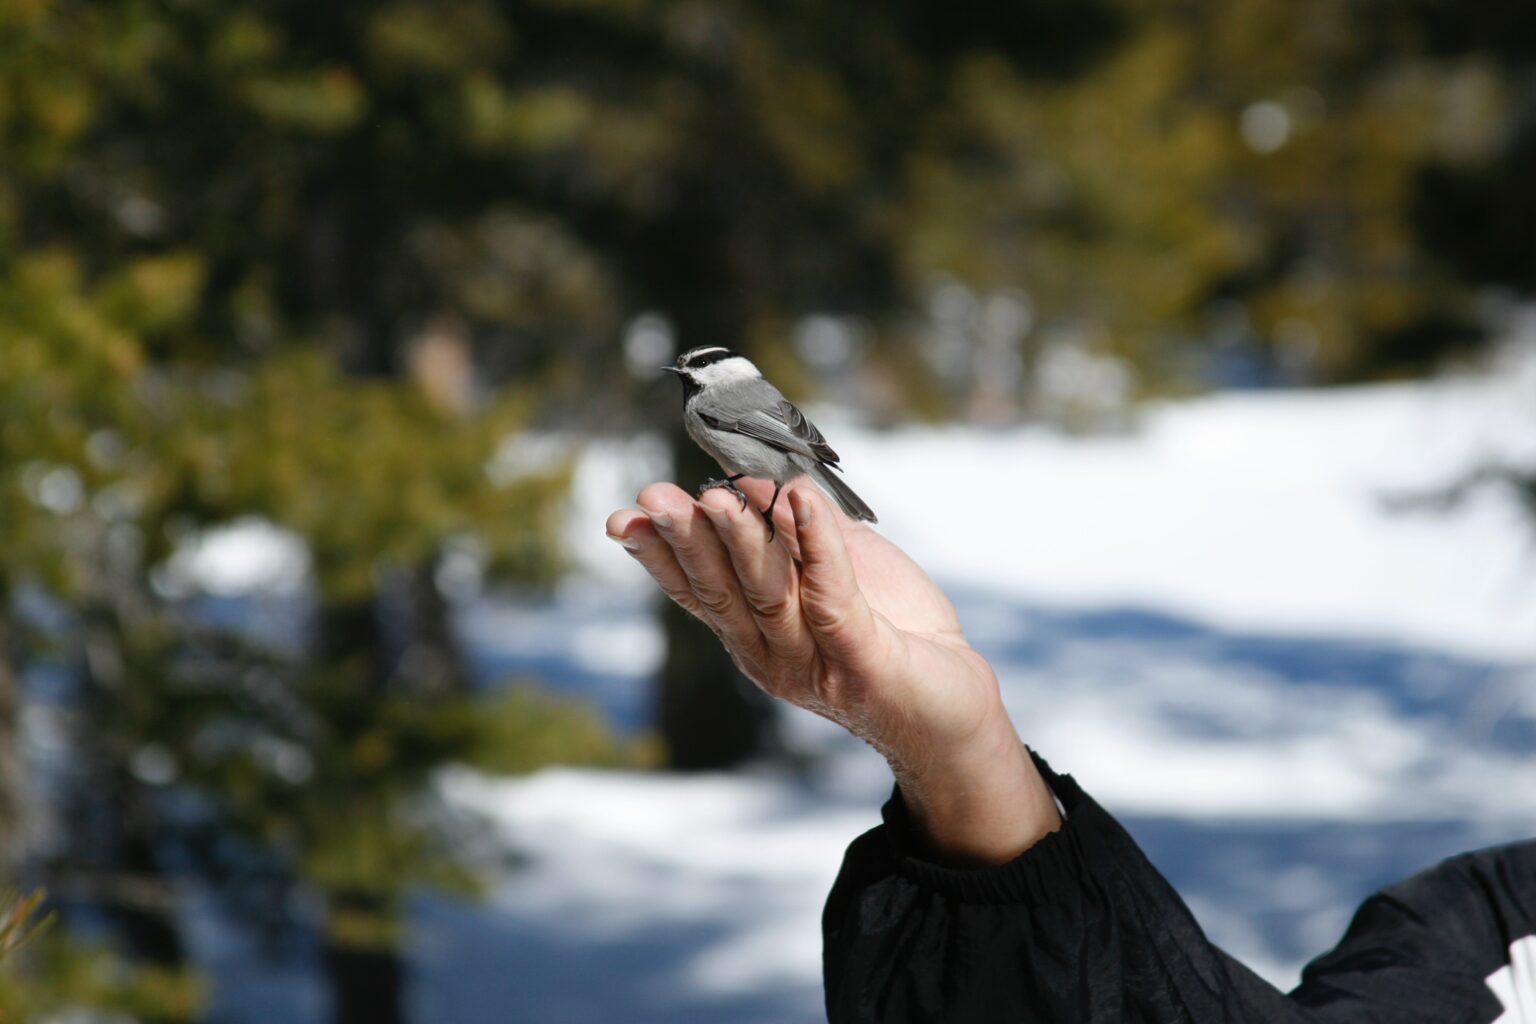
<point x="730" y="485"/>
<point x="767" y="515"/>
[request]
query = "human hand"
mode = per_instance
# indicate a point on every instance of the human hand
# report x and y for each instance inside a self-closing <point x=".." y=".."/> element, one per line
<point x="836" y="619"/>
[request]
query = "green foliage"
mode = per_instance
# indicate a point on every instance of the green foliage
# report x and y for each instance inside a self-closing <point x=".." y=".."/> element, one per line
<point x="99" y="442"/>
<point x="366" y="471"/>
<point x="522" y="729"/>
<point x="56" y="976"/>
<point x="544" y="170"/>
<point x="344" y="792"/>
<point x="19" y="920"/>
<point x="42" y="971"/>
<point x="168" y="366"/>
<point x="341" y="792"/>
<point x="1257" y="157"/>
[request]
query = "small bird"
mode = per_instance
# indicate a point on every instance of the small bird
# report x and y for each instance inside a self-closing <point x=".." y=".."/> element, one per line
<point x="746" y="425"/>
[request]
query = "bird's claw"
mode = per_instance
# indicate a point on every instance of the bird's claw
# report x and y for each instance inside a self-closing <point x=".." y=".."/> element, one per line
<point x="741" y="495"/>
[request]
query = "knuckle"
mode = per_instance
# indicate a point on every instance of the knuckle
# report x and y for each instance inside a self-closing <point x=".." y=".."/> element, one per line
<point x="685" y="600"/>
<point x="716" y="600"/>
<point x="824" y="617"/>
<point x="776" y="607"/>
<point x="786" y="639"/>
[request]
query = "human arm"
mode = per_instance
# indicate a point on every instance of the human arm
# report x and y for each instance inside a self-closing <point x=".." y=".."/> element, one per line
<point x="974" y="901"/>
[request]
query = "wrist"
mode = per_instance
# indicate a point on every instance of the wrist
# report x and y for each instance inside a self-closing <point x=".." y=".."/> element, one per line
<point x="984" y="804"/>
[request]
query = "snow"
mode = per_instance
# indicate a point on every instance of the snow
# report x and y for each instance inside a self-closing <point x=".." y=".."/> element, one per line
<point x="1260" y="512"/>
<point x="1289" y="691"/>
<point x="743" y="860"/>
<point x="250" y="555"/>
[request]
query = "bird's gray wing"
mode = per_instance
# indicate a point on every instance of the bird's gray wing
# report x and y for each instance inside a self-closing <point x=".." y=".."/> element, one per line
<point x="781" y="425"/>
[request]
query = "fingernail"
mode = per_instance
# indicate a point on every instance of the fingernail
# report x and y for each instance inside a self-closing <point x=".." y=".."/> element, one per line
<point x="801" y="506"/>
<point x="660" y="520"/>
<point x="624" y="542"/>
<point x="718" y="516"/>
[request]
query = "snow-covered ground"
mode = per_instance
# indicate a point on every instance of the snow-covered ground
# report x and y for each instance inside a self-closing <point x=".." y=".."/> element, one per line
<point x="1289" y="691"/>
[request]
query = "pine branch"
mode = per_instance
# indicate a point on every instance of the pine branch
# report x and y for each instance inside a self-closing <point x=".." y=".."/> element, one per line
<point x="19" y="920"/>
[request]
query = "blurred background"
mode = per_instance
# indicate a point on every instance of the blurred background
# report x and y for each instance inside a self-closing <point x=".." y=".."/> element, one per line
<point x="1190" y="345"/>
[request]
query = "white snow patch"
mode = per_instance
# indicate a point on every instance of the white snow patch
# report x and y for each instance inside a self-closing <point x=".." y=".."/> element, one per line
<point x="249" y="556"/>
<point x="1154" y="732"/>
<point x="608" y="475"/>
<point x="616" y="855"/>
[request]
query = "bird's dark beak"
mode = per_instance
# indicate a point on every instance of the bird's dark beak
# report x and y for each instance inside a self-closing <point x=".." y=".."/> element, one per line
<point x="671" y="369"/>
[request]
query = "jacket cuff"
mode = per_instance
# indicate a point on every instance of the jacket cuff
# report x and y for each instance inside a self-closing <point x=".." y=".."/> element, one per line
<point x="1050" y="871"/>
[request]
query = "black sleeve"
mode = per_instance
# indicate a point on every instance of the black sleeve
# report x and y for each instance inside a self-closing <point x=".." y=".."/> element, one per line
<point x="1081" y="928"/>
<point x="1438" y="947"/>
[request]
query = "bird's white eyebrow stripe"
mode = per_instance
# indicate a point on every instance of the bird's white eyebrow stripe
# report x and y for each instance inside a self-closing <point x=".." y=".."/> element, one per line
<point x="691" y="357"/>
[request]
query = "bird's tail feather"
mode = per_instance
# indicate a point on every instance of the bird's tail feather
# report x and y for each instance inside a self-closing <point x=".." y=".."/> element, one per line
<point x="851" y="504"/>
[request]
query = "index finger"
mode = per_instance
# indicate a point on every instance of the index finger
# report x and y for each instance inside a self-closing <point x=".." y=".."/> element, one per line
<point x="680" y="522"/>
<point x="767" y="576"/>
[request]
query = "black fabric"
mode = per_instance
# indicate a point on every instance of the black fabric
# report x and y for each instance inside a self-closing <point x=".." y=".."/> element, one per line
<point x="1082" y="928"/>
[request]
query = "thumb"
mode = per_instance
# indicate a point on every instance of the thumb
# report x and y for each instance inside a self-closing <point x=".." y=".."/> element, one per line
<point x="834" y="607"/>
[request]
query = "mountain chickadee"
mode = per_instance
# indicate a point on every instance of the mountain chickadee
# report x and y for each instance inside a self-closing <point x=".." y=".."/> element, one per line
<point x="743" y="423"/>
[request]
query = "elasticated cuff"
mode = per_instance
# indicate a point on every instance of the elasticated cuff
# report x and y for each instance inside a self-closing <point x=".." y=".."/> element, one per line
<point x="1051" y="870"/>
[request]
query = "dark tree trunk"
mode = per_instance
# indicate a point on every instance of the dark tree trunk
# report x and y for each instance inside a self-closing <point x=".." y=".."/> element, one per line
<point x="365" y="985"/>
<point x="432" y="664"/>
<point x="366" y="978"/>
<point x="363" y="972"/>
<point x="349" y="636"/>
<point x="709" y="715"/>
